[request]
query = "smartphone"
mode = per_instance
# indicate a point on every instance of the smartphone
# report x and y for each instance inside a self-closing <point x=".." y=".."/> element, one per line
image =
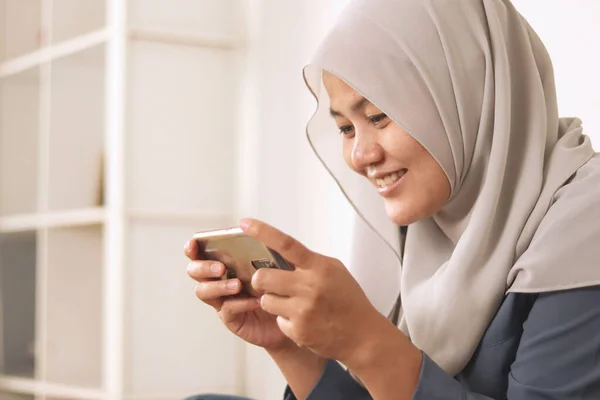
<point x="241" y="254"/>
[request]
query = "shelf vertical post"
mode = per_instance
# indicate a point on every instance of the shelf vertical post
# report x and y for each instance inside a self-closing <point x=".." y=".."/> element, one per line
<point x="43" y="184"/>
<point x="115" y="228"/>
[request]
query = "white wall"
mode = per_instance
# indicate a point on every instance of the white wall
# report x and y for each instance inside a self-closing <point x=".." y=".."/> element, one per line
<point x="280" y="178"/>
<point x="571" y="31"/>
<point x="282" y="182"/>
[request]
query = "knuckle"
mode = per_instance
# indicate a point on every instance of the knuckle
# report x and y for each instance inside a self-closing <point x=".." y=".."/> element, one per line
<point x="317" y="298"/>
<point x="226" y="308"/>
<point x="301" y="334"/>
<point x="202" y="289"/>
<point x="200" y="292"/>
<point x="255" y="229"/>
<point x="213" y="303"/>
<point x="315" y="293"/>
<point x="207" y="268"/>
<point x="230" y="309"/>
<point x="192" y="253"/>
<point x="287" y="243"/>
<point x="301" y="312"/>
<point x="223" y="286"/>
<point x="305" y="311"/>
<point x="206" y="290"/>
<point x="196" y="270"/>
<point x="334" y="261"/>
<point x="259" y="279"/>
<point x="265" y="301"/>
<point x="187" y="248"/>
<point x="190" y="270"/>
<point x="225" y="313"/>
<point x="326" y="274"/>
<point x="320" y="288"/>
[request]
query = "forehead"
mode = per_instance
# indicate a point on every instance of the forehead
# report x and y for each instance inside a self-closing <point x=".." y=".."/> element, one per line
<point x="336" y="87"/>
<point x="341" y="95"/>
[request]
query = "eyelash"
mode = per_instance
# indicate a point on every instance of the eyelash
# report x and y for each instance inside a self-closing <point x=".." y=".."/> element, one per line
<point x="375" y="119"/>
<point x="346" y="129"/>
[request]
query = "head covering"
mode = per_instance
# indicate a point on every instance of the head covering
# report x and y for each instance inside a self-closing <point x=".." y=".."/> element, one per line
<point x="473" y="83"/>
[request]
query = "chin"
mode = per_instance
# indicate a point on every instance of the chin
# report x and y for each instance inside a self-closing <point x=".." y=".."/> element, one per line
<point x="400" y="213"/>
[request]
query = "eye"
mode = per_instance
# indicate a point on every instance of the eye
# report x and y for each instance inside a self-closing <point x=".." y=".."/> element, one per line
<point x="376" y="119"/>
<point x="346" y="129"/>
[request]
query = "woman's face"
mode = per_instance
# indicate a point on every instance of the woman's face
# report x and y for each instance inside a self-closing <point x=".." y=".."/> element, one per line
<point x="410" y="180"/>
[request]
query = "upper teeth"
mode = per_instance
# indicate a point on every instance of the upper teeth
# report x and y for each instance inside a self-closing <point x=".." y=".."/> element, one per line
<point x="391" y="178"/>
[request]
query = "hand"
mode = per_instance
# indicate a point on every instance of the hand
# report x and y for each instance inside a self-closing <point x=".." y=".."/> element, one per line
<point x="319" y="305"/>
<point x="242" y="315"/>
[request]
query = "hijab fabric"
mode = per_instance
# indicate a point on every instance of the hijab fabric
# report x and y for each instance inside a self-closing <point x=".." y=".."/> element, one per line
<point x="473" y="83"/>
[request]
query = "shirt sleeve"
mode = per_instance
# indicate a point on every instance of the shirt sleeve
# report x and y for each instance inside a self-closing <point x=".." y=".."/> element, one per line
<point x="558" y="358"/>
<point x="559" y="353"/>
<point x="335" y="384"/>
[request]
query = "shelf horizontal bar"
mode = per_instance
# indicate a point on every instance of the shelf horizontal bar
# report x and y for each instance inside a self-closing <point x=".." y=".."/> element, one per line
<point x="181" y="39"/>
<point x="209" y="218"/>
<point x="29" y="222"/>
<point x="226" y="391"/>
<point x="53" y="52"/>
<point x="31" y="386"/>
<point x="19" y="385"/>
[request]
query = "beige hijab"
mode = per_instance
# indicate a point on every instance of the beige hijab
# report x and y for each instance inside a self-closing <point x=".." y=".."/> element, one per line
<point x="471" y="81"/>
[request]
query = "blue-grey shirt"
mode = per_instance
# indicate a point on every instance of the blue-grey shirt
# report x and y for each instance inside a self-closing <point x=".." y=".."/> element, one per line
<point x="538" y="346"/>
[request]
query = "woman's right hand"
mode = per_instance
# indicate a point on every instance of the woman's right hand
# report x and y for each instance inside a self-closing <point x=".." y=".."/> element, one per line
<point x="241" y="315"/>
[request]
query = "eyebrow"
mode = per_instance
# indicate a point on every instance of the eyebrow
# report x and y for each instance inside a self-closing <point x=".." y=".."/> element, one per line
<point x="358" y="104"/>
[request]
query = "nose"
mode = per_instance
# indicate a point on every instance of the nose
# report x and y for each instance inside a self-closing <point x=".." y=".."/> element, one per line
<point x="365" y="151"/>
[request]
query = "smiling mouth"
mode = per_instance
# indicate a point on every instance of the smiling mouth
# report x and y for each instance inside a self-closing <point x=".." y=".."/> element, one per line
<point x="389" y="179"/>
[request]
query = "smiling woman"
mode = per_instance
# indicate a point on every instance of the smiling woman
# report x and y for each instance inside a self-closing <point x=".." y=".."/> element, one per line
<point x="451" y="149"/>
<point x="406" y="175"/>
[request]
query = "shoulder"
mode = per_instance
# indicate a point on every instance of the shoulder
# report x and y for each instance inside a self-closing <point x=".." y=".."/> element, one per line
<point x="559" y="350"/>
<point x="563" y="317"/>
<point x="564" y="251"/>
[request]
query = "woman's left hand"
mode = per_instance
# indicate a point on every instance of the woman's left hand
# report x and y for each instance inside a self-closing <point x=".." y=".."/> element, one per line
<point x="319" y="305"/>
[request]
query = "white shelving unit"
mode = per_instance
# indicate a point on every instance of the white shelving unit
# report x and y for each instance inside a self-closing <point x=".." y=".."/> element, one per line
<point x="116" y="132"/>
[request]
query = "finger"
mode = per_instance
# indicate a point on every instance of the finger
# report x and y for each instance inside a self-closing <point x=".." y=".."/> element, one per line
<point x="215" y="290"/>
<point x="190" y="249"/>
<point x="285" y="325"/>
<point x="277" y="305"/>
<point x="276" y="281"/>
<point x="216" y="304"/>
<point x="199" y="270"/>
<point x="232" y="308"/>
<point x="287" y="246"/>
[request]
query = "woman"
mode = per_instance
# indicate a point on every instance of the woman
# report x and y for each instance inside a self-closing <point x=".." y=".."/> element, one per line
<point x="448" y="116"/>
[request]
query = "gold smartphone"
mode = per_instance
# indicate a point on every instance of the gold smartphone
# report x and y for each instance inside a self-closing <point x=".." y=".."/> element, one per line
<point x="241" y="254"/>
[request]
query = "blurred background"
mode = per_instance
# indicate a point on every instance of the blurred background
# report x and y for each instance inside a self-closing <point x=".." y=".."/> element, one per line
<point x="126" y="126"/>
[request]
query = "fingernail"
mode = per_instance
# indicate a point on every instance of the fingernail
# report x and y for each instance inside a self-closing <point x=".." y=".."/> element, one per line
<point x="259" y="299"/>
<point x="245" y="224"/>
<point x="215" y="268"/>
<point x="190" y="267"/>
<point x="231" y="285"/>
<point x="186" y="246"/>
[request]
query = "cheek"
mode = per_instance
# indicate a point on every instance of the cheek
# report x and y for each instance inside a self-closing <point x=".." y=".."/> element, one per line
<point x="432" y="184"/>
<point x="347" y="152"/>
<point x="434" y="179"/>
<point x="400" y="146"/>
<point x="424" y="195"/>
<point x="426" y="188"/>
<point x="429" y="186"/>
